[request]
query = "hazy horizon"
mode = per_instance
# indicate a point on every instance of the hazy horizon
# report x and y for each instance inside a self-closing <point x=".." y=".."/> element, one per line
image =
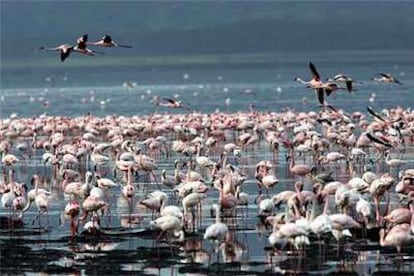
<point x="189" y="28"/>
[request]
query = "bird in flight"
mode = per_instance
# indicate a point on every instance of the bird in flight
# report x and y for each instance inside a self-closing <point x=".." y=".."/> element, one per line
<point x="171" y="103"/>
<point x="81" y="46"/>
<point x="343" y="78"/>
<point x="314" y="83"/>
<point x="66" y="49"/>
<point x="385" y="77"/>
<point x="107" y="41"/>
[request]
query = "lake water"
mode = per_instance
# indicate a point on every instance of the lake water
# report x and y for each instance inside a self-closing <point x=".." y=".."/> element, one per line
<point x="75" y="91"/>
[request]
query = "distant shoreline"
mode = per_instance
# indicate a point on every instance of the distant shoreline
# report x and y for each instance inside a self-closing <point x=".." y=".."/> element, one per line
<point x="267" y="59"/>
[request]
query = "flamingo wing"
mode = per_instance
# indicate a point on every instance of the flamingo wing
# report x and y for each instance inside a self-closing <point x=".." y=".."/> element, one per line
<point x="314" y="71"/>
<point x="375" y="114"/>
<point x="349" y="86"/>
<point x="170" y="100"/>
<point x="378" y="141"/>
<point x="319" y="93"/>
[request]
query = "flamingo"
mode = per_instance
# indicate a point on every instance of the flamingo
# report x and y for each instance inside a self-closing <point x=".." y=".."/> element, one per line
<point x="343" y="78"/>
<point x="293" y="232"/>
<point x="128" y="191"/>
<point x="314" y="83"/>
<point x="107" y="41"/>
<point x="218" y="230"/>
<point x="398" y="216"/>
<point x="192" y="200"/>
<point x="63" y="49"/>
<point x="298" y="169"/>
<point x="71" y="211"/>
<point x="154" y="201"/>
<point x="170" y="224"/>
<point x="31" y="195"/>
<point x="171" y="103"/>
<point x="201" y="160"/>
<point x="42" y="204"/>
<point x="92" y="204"/>
<point x="363" y="207"/>
<point x="341" y="223"/>
<point x="397" y="237"/>
<point x="81" y="46"/>
<point x="168" y="180"/>
<point x="386" y="77"/>
<point x="393" y="162"/>
<point x="242" y="198"/>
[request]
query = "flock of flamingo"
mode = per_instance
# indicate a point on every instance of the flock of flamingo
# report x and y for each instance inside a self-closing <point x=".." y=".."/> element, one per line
<point x="81" y="46"/>
<point x="208" y="154"/>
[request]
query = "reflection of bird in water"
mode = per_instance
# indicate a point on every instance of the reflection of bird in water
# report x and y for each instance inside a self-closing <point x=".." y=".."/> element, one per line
<point x="101" y="246"/>
<point x="232" y="250"/>
<point x="92" y="227"/>
<point x="195" y="252"/>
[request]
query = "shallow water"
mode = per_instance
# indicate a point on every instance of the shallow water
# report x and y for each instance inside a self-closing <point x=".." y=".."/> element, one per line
<point x="48" y="248"/>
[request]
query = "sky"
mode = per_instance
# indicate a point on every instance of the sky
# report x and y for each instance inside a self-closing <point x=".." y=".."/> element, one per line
<point x="157" y="28"/>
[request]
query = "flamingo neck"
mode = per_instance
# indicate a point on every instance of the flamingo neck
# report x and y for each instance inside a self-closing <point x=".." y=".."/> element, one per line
<point x="311" y="216"/>
<point x="325" y="207"/>
<point x="224" y="161"/>
<point x="301" y="81"/>
<point x="217" y="213"/>
<point x="163" y="203"/>
<point x="129" y="177"/>
<point x="292" y="158"/>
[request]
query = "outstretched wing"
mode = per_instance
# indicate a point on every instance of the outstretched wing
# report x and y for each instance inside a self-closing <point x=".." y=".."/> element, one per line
<point x="397" y="81"/>
<point x="319" y="93"/>
<point x="169" y="100"/>
<point x="375" y="114"/>
<point x="378" y="141"/>
<point x="314" y="71"/>
<point x="349" y="86"/>
<point x="83" y="38"/>
<point x="385" y="75"/>
<point x="64" y="55"/>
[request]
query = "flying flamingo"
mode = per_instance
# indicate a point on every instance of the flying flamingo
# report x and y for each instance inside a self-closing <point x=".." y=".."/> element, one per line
<point x="314" y="83"/>
<point x="343" y="78"/>
<point x="64" y="50"/>
<point x="385" y="77"/>
<point x="107" y="41"/>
